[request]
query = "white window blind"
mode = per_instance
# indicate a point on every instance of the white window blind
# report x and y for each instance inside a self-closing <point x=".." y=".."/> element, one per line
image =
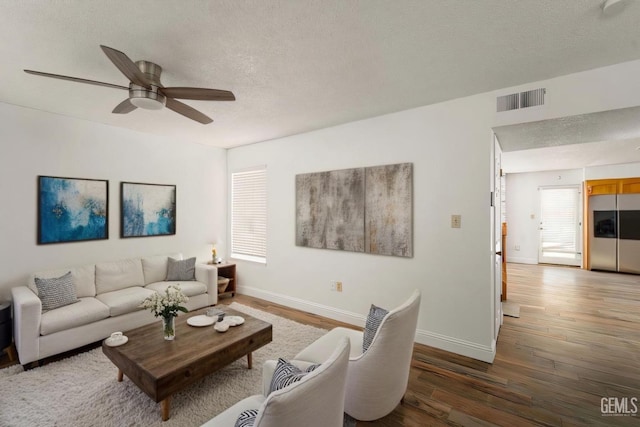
<point x="559" y="217"/>
<point x="249" y="215"/>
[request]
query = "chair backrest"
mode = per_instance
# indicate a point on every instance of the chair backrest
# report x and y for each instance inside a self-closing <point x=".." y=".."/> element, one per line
<point x="317" y="400"/>
<point x="377" y="380"/>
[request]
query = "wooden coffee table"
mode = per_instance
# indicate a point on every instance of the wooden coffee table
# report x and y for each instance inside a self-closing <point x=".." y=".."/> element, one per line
<point x="160" y="368"/>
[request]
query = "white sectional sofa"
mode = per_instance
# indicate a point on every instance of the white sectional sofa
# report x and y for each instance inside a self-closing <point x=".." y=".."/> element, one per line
<point x="109" y="295"/>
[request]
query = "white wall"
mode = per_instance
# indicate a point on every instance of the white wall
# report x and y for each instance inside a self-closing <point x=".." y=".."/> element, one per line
<point x="628" y="170"/>
<point x="449" y="145"/>
<point x="37" y="143"/>
<point x="523" y="210"/>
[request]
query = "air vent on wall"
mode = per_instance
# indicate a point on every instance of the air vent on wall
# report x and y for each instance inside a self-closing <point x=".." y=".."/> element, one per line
<point x="526" y="99"/>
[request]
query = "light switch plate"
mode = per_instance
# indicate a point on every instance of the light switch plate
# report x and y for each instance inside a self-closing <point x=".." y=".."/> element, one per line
<point x="456" y="221"/>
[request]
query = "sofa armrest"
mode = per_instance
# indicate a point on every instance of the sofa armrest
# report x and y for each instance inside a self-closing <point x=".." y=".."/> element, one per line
<point x="208" y="274"/>
<point x="27" y="315"/>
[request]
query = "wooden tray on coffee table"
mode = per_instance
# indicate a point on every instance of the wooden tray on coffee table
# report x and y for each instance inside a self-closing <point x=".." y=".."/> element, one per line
<point x="161" y="368"/>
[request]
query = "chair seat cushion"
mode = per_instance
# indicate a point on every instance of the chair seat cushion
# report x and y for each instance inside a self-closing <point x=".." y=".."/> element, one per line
<point x="321" y="349"/>
<point x="86" y="310"/>
<point x="125" y="300"/>
<point x="189" y="288"/>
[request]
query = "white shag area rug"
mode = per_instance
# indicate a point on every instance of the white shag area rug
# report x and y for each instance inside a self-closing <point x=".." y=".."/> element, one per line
<point x="83" y="390"/>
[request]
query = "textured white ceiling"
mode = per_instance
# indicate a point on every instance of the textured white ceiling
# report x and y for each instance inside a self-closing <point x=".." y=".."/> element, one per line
<point x="596" y="139"/>
<point x="298" y="65"/>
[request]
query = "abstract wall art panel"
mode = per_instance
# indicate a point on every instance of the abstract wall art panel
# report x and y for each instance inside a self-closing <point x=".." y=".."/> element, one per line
<point x="388" y="210"/>
<point x="361" y="210"/>
<point x="330" y="210"/>
<point x="147" y="209"/>
<point x="72" y="209"/>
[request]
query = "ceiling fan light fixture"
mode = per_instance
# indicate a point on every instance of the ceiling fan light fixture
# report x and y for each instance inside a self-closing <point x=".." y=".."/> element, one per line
<point x="146" y="99"/>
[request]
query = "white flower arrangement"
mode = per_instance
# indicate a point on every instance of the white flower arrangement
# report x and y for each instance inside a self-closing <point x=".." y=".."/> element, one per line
<point x="167" y="304"/>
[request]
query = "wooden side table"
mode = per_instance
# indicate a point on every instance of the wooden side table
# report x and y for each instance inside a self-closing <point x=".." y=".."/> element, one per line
<point x="6" y="330"/>
<point x="228" y="270"/>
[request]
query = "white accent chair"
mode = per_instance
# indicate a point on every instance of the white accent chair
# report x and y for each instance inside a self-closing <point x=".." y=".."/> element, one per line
<point x="376" y="379"/>
<point x="317" y="400"/>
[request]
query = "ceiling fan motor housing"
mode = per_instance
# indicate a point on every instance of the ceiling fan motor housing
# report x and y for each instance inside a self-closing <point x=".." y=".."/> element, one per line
<point x="141" y="97"/>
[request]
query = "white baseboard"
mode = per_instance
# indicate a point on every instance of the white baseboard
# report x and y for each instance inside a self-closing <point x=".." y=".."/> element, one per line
<point x="304" y="305"/>
<point x="454" y="345"/>
<point x="522" y="260"/>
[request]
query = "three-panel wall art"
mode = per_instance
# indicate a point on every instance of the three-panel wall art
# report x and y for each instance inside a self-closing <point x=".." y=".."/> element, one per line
<point x="76" y="209"/>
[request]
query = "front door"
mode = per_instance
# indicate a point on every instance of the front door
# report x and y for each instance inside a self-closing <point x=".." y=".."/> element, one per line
<point x="560" y="226"/>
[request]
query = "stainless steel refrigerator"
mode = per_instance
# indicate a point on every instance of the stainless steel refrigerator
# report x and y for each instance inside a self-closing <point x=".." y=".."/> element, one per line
<point x="614" y="232"/>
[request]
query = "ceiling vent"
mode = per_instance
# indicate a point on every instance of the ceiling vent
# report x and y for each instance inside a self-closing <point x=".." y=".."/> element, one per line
<point x="515" y="101"/>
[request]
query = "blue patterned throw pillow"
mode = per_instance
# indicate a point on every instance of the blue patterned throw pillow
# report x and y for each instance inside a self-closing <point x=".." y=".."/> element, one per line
<point x="246" y="418"/>
<point x="286" y="374"/>
<point x="374" y="319"/>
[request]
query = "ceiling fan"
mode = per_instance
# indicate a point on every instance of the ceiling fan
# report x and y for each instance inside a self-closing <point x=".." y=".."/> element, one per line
<point x="146" y="91"/>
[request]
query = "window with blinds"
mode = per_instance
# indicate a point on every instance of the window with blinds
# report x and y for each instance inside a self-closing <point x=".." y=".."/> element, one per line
<point x="249" y="215"/>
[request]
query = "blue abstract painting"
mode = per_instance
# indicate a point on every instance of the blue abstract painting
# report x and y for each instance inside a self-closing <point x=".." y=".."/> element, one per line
<point x="147" y="209"/>
<point x="72" y="209"/>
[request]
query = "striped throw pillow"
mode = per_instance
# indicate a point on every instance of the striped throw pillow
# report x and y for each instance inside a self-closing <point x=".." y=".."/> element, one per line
<point x="374" y="319"/>
<point x="286" y="374"/>
<point x="246" y="418"/>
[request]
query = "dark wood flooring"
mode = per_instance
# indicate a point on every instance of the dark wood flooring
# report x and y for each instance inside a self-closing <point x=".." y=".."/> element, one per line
<point x="576" y="342"/>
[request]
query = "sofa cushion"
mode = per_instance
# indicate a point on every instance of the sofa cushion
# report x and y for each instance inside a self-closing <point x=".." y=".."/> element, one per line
<point x="155" y="268"/>
<point x="85" y="311"/>
<point x="56" y="291"/>
<point x="181" y="269"/>
<point x="83" y="279"/>
<point x="189" y="288"/>
<point x="112" y="276"/>
<point x="374" y="319"/>
<point x="125" y="300"/>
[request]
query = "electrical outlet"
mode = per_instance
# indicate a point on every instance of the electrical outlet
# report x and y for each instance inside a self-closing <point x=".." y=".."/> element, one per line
<point x="339" y="286"/>
<point x="517" y="247"/>
<point x="334" y="286"/>
<point x="456" y="221"/>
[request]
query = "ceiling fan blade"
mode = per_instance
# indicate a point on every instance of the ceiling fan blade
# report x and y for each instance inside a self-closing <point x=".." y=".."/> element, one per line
<point x="75" y="79"/>
<point x="200" y="94"/>
<point x="124" y="107"/>
<point x="187" y="111"/>
<point x="126" y="66"/>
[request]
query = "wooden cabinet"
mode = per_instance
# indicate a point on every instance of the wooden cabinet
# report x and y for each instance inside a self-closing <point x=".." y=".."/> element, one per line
<point x="630" y="186"/>
<point x="228" y="270"/>
<point x="613" y="186"/>
<point x="602" y="186"/>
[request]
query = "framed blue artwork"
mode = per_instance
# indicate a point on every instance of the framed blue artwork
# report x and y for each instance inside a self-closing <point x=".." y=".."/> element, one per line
<point x="72" y="209"/>
<point x="147" y="209"/>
